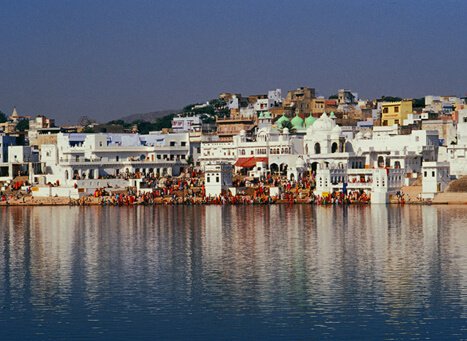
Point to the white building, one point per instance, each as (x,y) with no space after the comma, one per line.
(278,150)
(273,99)
(217,178)
(435,178)
(97,156)
(186,124)
(22,161)
(379,183)
(457,152)
(379,162)
(217,151)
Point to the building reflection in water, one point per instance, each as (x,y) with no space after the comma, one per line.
(311,261)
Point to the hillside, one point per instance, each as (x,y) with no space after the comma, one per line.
(459,185)
(149,116)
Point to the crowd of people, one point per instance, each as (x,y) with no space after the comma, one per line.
(189,189)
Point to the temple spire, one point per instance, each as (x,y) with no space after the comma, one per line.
(15,113)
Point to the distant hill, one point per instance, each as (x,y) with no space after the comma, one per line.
(149,116)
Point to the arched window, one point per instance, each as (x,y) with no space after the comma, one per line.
(380,161)
(317,148)
(334,147)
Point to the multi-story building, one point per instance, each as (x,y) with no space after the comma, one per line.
(263,103)
(186,124)
(378,162)
(457,151)
(23,161)
(97,156)
(42,130)
(277,149)
(345,96)
(318,105)
(5,142)
(227,127)
(300,100)
(442,104)
(395,112)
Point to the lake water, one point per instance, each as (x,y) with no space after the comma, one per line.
(278,272)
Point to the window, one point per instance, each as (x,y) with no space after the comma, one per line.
(317,148)
(425,174)
(334,147)
(433,174)
(396,109)
(183,143)
(217,179)
(172,143)
(208,179)
(385,110)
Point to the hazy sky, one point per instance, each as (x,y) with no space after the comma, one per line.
(106,59)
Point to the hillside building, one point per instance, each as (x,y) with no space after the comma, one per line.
(395,112)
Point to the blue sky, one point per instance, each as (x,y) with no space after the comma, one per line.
(106,59)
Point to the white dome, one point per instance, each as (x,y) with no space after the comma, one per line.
(242,132)
(285,130)
(324,124)
(368,135)
(359,135)
(337,129)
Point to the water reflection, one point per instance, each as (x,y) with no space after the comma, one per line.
(214,271)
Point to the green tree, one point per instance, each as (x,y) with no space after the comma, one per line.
(3,117)
(117,122)
(145,127)
(22,125)
(288,125)
(88,130)
(217,103)
(189,160)
(419,102)
(391,99)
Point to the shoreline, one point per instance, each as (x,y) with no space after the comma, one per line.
(66,202)
(448,198)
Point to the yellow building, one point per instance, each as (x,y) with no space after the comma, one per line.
(395,112)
